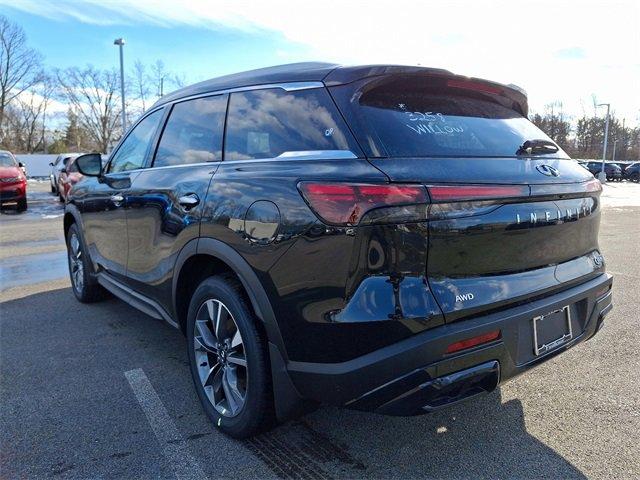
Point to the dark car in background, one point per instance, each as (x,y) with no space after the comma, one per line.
(611,170)
(57,166)
(13,182)
(384,238)
(632,172)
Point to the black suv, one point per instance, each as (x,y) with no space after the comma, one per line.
(385,238)
(611,170)
(632,172)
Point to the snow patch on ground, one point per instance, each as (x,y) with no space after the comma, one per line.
(620,194)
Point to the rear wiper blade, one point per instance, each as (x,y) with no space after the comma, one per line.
(537,147)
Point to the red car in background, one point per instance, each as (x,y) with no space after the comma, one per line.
(13,182)
(67,178)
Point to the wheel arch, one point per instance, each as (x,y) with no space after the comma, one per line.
(71,216)
(223,258)
(69,219)
(226,259)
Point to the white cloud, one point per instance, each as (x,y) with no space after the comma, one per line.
(556,50)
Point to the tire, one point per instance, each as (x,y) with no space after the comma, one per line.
(22,205)
(84,285)
(635,177)
(218,375)
(53,188)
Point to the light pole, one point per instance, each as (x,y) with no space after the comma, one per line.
(44,121)
(602,176)
(120,43)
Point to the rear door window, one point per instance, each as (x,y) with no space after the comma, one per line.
(268,123)
(193,133)
(406,116)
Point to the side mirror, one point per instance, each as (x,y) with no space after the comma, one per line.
(21,165)
(90,164)
(51,164)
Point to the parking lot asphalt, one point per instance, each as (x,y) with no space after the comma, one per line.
(104,391)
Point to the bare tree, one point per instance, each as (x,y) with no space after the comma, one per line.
(20,66)
(28,119)
(179,80)
(159,76)
(94,96)
(140,83)
(555,124)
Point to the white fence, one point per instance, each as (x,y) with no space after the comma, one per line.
(37,164)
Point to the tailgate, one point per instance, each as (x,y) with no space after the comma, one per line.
(496,243)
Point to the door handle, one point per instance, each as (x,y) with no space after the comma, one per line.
(189,201)
(117,199)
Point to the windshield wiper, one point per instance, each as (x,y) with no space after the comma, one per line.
(537,147)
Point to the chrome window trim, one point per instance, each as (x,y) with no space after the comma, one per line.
(317,155)
(182,165)
(309,155)
(288,87)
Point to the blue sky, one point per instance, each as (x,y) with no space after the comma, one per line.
(196,52)
(568,51)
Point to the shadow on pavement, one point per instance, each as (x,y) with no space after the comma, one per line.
(62,367)
(481,438)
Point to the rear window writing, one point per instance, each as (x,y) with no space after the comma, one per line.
(415,118)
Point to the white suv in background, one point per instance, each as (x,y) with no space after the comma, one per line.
(56,167)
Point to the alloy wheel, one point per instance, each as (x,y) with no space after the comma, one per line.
(220,358)
(76,266)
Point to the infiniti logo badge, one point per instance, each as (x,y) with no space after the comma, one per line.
(548,170)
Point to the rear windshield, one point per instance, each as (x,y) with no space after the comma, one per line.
(426,117)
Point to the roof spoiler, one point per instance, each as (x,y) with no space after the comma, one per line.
(516,96)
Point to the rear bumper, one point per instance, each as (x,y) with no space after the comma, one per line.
(416,375)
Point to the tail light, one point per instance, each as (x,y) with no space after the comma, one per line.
(473,342)
(350,204)
(456,201)
(458,193)
(593,185)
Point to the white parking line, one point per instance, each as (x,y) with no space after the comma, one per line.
(173,445)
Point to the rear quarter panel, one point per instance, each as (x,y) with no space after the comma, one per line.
(308,269)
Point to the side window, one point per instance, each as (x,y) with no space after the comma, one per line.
(267,123)
(132,151)
(71,166)
(193,133)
